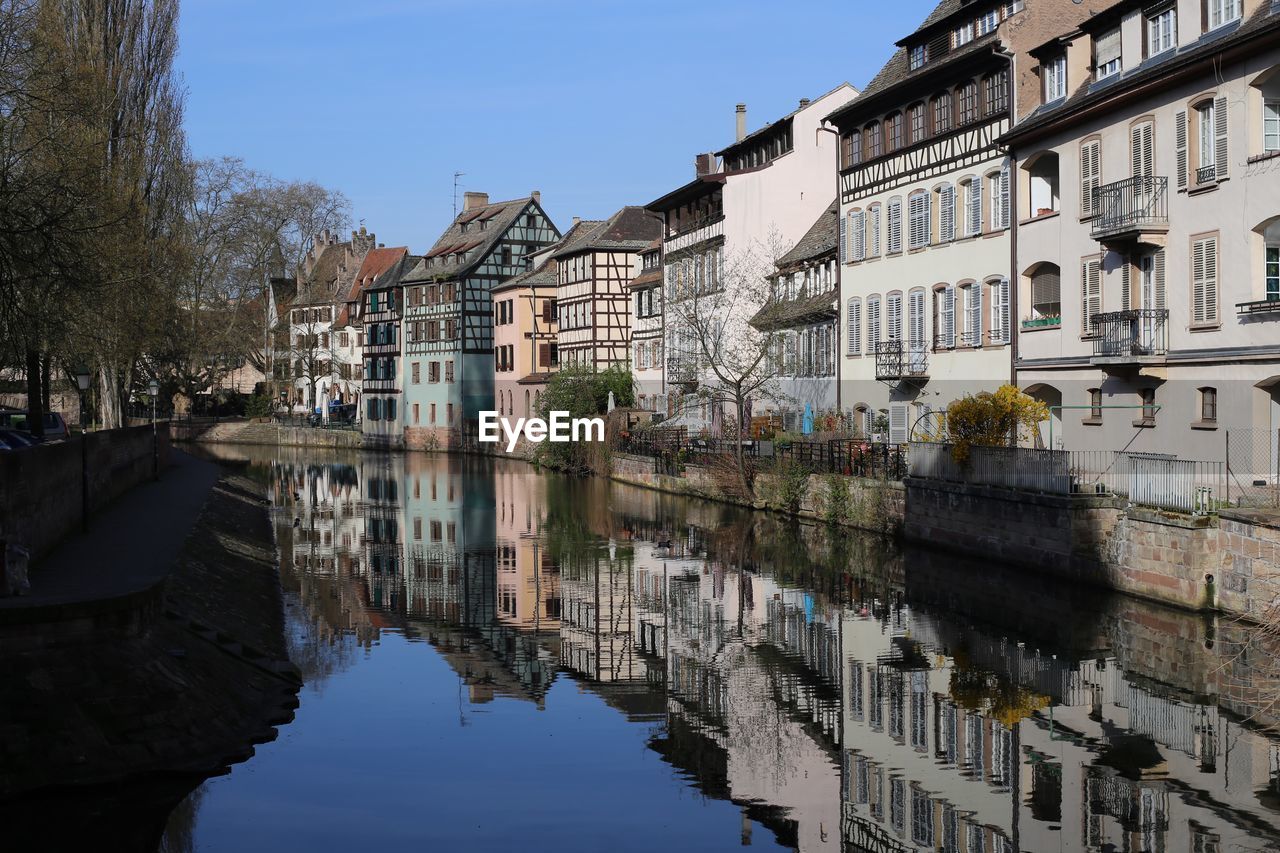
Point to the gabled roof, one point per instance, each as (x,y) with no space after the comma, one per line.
(375,264)
(545,266)
(396,273)
(631,229)
(321,283)
(777,123)
(475,232)
(821,239)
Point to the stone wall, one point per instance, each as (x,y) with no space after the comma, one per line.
(1248,561)
(44,496)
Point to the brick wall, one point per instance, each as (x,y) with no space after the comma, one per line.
(43,496)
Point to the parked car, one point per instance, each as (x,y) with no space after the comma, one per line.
(55,428)
(12,439)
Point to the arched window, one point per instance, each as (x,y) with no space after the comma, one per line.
(998,298)
(873,322)
(946,198)
(1208,405)
(1046,293)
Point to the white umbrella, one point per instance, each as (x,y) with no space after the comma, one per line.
(610,405)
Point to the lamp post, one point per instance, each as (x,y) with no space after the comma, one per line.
(83,376)
(153,387)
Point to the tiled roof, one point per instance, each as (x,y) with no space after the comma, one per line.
(397,273)
(321,283)
(630,229)
(793,312)
(649,276)
(375,264)
(1265,21)
(819,240)
(496,219)
(543,273)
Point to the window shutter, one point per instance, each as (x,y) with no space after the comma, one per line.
(1157,272)
(915,311)
(895,226)
(544,355)
(1141,150)
(1126,285)
(1180,132)
(855,326)
(895,317)
(975,207)
(947,213)
(926,201)
(873,250)
(844,237)
(898,423)
(975,314)
(873,323)
(1005,211)
(1220,139)
(1090,294)
(858,237)
(1090,177)
(1204,287)
(949,317)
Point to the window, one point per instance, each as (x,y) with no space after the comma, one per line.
(988,22)
(855,326)
(1162,31)
(873,322)
(1205,125)
(1271,125)
(1055,78)
(1208,405)
(448,371)
(962,35)
(872,139)
(946,213)
(1271,267)
(942,113)
(973,206)
(916,123)
(971,298)
(1042,184)
(968,94)
(1204,281)
(1222,12)
(1046,292)
(997,92)
(919,56)
(857,236)
(855,148)
(1090,176)
(1148,398)
(1095,404)
(417,373)
(1106,54)
(1090,294)
(918,220)
(433,371)
(873,232)
(946,317)
(893,132)
(1000,198)
(895,226)
(1001,332)
(893,317)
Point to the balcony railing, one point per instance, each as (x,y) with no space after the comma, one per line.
(682,370)
(1134,204)
(1207,174)
(1131,335)
(899,359)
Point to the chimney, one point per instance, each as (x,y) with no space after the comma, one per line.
(536,195)
(577,220)
(473,200)
(704,164)
(742,122)
(804,102)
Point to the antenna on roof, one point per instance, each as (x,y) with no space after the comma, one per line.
(456,175)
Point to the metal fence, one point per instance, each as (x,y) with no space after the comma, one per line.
(1253,467)
(1151,479)
(1023,468)
(314,421)
(852,457)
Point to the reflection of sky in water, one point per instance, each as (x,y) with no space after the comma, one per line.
(500,659)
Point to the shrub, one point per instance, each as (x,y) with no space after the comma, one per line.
(836,505)
(992,420)
(791,485)
(258,406)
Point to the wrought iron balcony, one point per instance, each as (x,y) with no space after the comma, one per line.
(1207,174)
(900,360)
(1131,337)
(682,371)
(1132,208)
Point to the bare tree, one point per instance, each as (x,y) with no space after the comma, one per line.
(713,352)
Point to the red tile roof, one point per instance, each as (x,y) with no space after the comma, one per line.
(375,264)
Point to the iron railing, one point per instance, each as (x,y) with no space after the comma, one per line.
(1152,480)
(1132,204)
(849,456)
(898,359)
(682,370)
(1136,333)
(1207,174)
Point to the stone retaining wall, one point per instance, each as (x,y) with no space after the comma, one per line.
(44,494)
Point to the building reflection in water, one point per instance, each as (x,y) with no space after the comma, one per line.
(845,696)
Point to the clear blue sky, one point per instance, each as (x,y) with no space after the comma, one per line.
(596,104)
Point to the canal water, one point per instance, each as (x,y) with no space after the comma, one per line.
(497,658)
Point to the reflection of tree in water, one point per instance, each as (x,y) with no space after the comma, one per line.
(180,832)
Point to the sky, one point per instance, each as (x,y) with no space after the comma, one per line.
(595,103)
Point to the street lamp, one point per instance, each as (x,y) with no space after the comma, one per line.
(153,387)
(82,375)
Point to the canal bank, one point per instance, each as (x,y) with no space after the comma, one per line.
(110,722)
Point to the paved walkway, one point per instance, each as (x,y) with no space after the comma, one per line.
(129,547)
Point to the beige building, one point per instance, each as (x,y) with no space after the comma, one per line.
(1148,246)
(646,330)
(925,203)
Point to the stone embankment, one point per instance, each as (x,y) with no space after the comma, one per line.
(253,432)
(102,739)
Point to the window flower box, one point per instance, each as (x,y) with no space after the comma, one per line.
(1042,322)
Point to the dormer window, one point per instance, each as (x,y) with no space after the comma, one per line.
(962,35)
(1162,31)
(1106,54)
(919,55)
(988,22)
(1055,78)
(1223,12)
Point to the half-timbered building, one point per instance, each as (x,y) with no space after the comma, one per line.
(448,315)
(1148,250)
(747,205)
(925,209)
(593,302)
(646,330)
(801,315)
(348,334)
(381,309)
